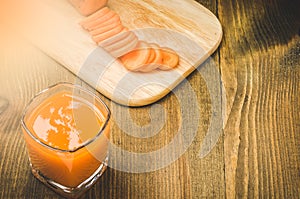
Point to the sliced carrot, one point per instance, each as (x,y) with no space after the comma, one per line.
(101,20)
(136,58)
(115,19)
(158,54)
(121,43)
(103,36)
(108,32)
(94,16)
(125,49)
(101,29)
(149,66)
(170,59)
(121,35)
(93,24)
(151,56)
(155,60)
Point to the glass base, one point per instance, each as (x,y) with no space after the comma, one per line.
(71,192)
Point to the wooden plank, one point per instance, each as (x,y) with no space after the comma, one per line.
(260,71)
(59,35)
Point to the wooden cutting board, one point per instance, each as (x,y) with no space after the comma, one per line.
(185,26)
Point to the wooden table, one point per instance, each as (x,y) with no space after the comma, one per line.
(258,151)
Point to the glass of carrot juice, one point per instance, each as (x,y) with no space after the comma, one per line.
(66,130)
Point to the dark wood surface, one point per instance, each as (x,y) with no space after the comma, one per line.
(258,151)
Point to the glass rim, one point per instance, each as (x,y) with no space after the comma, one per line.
(84,144)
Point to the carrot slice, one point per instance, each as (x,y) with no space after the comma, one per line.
(114,20)
(149,66)
(93,24)
(121,35)
(154,61)
(136,58)
(94,16)
(151,56)
(108,34)
(101,29)
(170,59)
(121,43)
(158,54)
(125,49)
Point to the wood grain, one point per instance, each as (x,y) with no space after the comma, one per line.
(260,94)
(256,156)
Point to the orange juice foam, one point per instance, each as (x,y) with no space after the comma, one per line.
(65,124)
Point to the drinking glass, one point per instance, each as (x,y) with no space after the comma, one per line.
(83,122)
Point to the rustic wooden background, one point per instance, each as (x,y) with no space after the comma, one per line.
(257,153)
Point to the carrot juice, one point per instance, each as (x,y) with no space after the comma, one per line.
(66,130)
